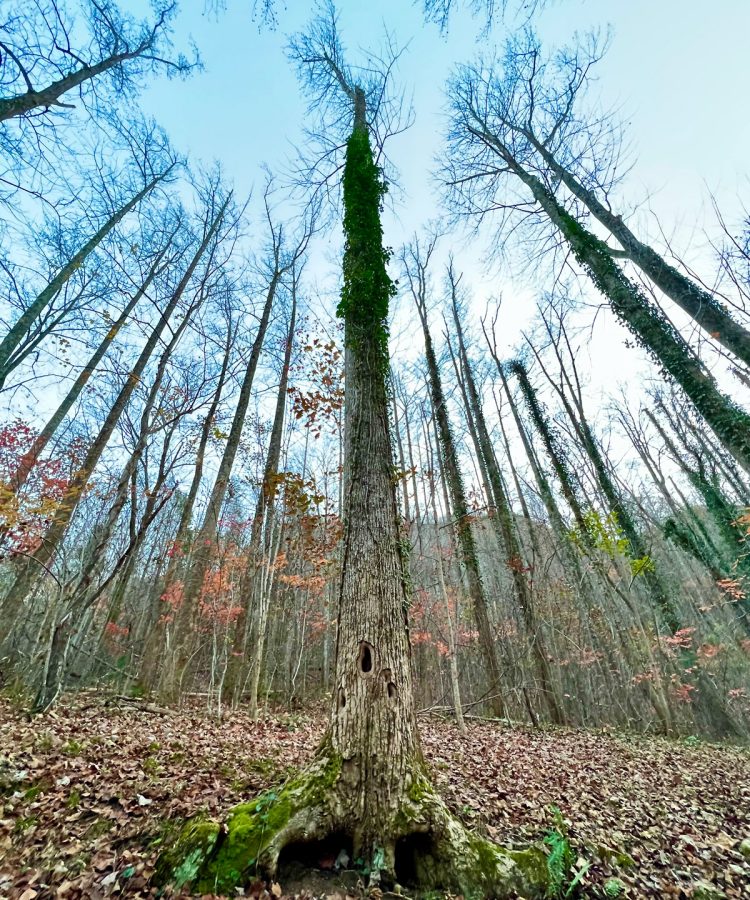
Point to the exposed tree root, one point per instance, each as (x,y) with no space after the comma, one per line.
(423,843)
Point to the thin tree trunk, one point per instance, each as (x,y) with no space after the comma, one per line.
(49,96)
(655,692)
(14,337)
(205,541)
(458,709)
(509,538)
(153,653)
(260,547)
(29,459)
(79,595)
(466,541)
(28,571)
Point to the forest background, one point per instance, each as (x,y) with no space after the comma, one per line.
(572,492)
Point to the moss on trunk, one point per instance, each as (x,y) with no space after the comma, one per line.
(423,844)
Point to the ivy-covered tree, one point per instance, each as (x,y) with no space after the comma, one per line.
(482,163)
(368,780)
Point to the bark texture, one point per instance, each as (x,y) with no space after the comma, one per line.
(368,780)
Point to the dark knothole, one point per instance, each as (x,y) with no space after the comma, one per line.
(415,857)
(342,698)
(365,657)
(392,690)
(330,856)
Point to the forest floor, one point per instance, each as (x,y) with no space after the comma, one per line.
(85,791)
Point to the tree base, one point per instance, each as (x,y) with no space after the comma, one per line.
(424,845)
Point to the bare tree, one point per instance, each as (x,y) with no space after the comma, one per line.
(531,104)
(416,261)
(367,779)
(29,569)
(47,55)
(485,159)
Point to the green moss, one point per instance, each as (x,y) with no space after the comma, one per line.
(44,742)
(614,857)
(524,870)
(23,825)
(249,830)
(74,799)
(551,437)
(651,329)
(216,858)
(530,862)
(196,843)
(419,788)
(367,287)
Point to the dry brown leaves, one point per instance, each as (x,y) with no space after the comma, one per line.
(87,788)
(679,811)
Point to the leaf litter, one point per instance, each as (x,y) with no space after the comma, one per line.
(87,790)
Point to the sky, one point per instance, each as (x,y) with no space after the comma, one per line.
(676,71)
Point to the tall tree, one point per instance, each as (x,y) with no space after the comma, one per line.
(48,55)
(535,104)
(13,338)
(281,261)
(505,519)
(367,780)
(29,569)
(251,625)
(29,460)
(480,159)
(637,549)
(153,652)
(416,262)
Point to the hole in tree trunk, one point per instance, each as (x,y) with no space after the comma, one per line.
(392,691)
(415,858)
(342,698)
(365,657)
(319,866)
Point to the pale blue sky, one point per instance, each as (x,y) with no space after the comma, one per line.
(677,69)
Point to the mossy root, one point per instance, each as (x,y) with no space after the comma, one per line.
(424,843)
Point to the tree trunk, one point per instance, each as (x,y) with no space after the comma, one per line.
(153,654)
(703,307)
(636,546)
(655,693)
(28,570)
(368,780)
(80,595)
(259,551)
(176,660)
(20,104)
(14,337)
(730,423)
(509,537)
(29,460)
(466,542)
